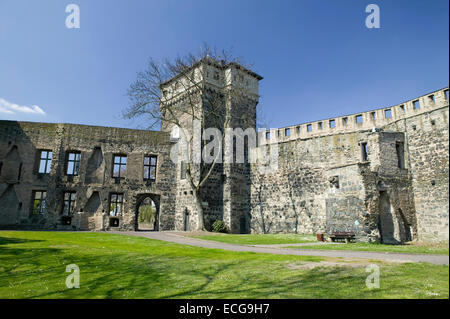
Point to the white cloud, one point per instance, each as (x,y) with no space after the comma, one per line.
(11,108)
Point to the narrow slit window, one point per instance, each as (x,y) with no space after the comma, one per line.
(364,152)
(183,170)
(400,148)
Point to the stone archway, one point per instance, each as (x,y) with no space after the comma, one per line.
(147,213)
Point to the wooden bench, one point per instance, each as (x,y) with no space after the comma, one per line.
(343,235)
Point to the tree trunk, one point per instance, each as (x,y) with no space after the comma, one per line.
(200,216)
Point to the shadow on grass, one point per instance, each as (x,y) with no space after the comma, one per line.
(10,240)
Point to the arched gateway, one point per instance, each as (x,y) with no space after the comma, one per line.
(147,212)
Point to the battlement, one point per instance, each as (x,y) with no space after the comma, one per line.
(358,121)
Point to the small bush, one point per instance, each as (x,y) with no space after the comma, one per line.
(219,227)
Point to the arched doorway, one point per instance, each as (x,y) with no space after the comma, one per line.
(147,214)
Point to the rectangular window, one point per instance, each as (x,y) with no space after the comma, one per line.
(416,104)
(298,130)
(183,170)
(431,98)
(345,121)
(388,113)
(39,206)
(73,163)
(402,107)
(267,135)
(446,95)
(287,132)
(364,152)
(45,161)
(332,123)
(69,203)
(120,165)
(309,127)
(399,146)
(320,125)
(373,115)
(150,167)
(115,204)
(358,119)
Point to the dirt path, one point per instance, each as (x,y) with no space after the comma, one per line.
(174,237)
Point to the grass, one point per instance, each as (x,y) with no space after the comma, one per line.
(438,249)
(33,265)
(259,239)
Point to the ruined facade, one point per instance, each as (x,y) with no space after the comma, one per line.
(382,174)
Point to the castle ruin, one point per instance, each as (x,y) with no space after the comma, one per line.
(382,174)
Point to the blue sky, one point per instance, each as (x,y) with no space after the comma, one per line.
(317,57)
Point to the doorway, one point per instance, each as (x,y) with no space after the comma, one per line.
(147,215)
(386,224)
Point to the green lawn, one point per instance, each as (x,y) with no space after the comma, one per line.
(33,264)
(439,249)
(259,239)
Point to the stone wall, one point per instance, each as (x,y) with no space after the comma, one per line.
(20,143)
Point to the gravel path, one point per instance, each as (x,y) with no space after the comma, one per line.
(277,249)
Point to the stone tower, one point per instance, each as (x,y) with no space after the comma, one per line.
(226,193)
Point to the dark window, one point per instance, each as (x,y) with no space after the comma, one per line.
(73,163)
(345,121)
(446,94)
(364,152)
(358,119)
(416,104)
(402,107)
(309,127)
(388,113)
(115,204)
(320,125)
(183,170)
(267,135)
(69,203)
(431,98)
(150,167)
(373,115)
(399,146)
(298,130)
(45,161)
(120,165)
(39,206)
(332,123)
(287,132)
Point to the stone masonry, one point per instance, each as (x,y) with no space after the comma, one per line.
(382,174)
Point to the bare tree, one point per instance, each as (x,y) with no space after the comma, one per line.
(177,95)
